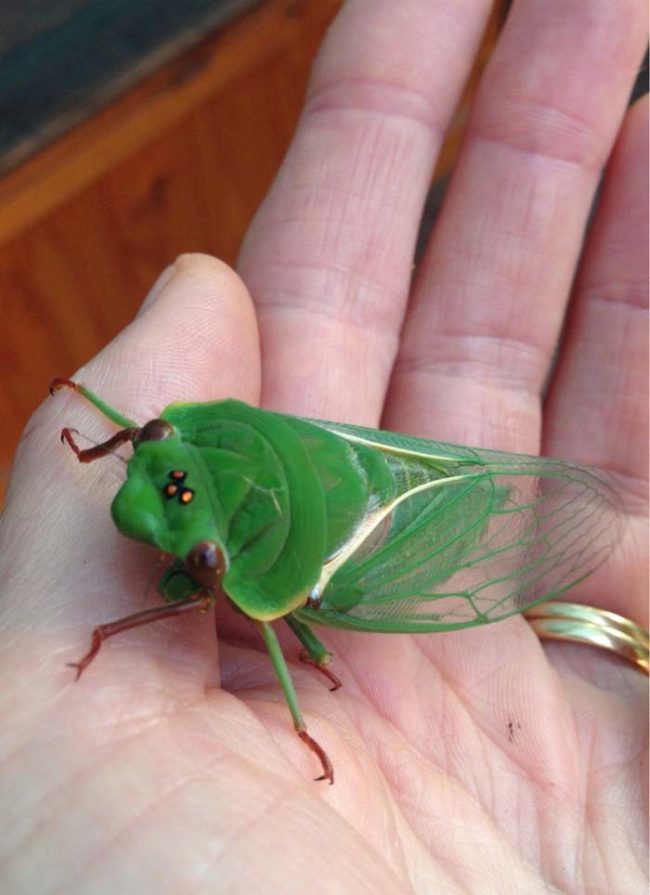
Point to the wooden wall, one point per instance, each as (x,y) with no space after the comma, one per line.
(178,164)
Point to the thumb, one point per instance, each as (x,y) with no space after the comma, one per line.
(195,339)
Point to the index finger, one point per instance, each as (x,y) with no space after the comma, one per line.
(329,257)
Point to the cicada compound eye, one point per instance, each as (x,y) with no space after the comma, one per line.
(205,564)
(154,430)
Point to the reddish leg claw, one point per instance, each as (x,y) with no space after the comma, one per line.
(82,664)
(67,438)
(310,742)
(332,678)
(60,382)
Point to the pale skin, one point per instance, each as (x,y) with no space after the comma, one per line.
(479,761)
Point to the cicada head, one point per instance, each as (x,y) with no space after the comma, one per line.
(166,500)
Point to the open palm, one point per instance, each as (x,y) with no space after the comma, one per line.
(475,761)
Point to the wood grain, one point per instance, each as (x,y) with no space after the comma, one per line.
(179,164)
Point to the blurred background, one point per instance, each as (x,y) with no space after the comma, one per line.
(131,132)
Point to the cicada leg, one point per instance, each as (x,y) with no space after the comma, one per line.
(102,632)
(87,455)
(314,652)
(281,670)
(61,382)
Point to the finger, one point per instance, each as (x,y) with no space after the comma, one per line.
(196,340)
(597,407)
(329,256)
(491,294)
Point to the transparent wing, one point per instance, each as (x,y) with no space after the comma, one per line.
(472,537)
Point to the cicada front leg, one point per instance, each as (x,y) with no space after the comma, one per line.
(102,632)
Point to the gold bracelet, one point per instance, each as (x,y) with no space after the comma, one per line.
(585,624)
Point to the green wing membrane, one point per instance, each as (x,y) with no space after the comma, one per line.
(471,537)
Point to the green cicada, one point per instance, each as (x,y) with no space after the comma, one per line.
(322,523)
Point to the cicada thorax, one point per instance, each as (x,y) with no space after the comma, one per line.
(284,495)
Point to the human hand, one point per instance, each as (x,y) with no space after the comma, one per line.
(473,761)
